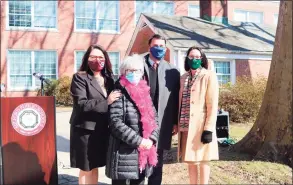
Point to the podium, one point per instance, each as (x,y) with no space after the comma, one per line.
(28,140)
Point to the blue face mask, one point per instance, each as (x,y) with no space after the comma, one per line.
(158,52)
(133,78)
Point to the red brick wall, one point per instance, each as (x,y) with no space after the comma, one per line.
(252,68)
(268,8)
(65,41)
(181,7)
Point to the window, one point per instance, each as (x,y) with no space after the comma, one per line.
(193,11)
(101,16)
(246,16)
(22,65)
(164,8)
(78,59)
(223,71)
(276,17)
(32,14)
(114,58)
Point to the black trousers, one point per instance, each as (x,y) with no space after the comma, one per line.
(139,181)
(156,177)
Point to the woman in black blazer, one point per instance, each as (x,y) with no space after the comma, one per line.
(91,89)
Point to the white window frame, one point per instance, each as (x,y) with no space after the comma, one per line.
(232,68)
(189,9)
(97,19)
(32,28)
(154,9)
(247,15)
(119,59)
(33,87)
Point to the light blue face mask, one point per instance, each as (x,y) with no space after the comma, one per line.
(133,78)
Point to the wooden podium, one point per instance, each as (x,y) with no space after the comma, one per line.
(28,140)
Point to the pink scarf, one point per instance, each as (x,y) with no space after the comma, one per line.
(140,95)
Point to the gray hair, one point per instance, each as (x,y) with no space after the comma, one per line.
(134,61)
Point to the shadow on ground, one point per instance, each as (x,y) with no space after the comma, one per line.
(62,144)
(64,179)
(225,154)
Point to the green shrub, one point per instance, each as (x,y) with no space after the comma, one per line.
(60,89)
(243,99)
(49,90)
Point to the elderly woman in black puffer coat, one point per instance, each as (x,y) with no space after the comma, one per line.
(133,124)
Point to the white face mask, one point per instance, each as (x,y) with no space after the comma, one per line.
(133,78)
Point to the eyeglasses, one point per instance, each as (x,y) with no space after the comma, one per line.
(195,57)
(135,71)
(91,57)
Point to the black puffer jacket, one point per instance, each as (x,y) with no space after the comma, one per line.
(126,135)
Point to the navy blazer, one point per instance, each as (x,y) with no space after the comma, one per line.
(90,106)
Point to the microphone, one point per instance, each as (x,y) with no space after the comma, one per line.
(41,77)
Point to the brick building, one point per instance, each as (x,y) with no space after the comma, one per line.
(50,36)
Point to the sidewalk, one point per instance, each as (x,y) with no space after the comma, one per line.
(67,175)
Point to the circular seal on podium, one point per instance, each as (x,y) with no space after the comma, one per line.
(28,119)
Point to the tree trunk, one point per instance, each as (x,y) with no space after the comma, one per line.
(270,138)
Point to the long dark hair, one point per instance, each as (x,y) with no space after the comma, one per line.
(107,71)
(204,60)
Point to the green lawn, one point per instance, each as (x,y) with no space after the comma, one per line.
(232,168)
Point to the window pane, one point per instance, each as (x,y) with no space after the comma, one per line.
(240,16)
(45,14)
(78,59)
(19,7)
(223,79)
(20,68)
(223,72)
(114,58)
(23,81)
(20,13)
(255,17)
(45,63)
(107,9)
(143,7)
(45,22)
(85,9)
(85,15)
(108,25)
(165,8)
(45,8)
(108,15)
(86,24)
(193,11)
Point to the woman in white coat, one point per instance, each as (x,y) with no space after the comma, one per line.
(198,104)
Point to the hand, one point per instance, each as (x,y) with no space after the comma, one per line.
(114,95)
(206,137)
(175,130)
(146,143)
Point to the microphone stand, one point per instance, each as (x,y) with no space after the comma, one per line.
(42,87)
